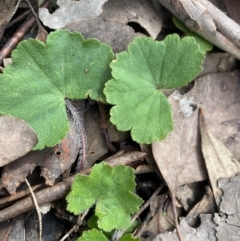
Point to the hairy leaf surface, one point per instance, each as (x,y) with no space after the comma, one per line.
(111,190)
(35,86)
(138,77)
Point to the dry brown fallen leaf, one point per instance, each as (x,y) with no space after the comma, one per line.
(69,11)
(219,160)
(53,161)
(16,139)
(15,172)
(179,156)
(218,62)
(8,9)
(223,227)
(206,205)
(116,34)
(163,219)
(218,95)
(142,12)
(188,195)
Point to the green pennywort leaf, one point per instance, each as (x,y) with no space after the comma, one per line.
(128,237)
(111,189)
(93,235)
(138,77)
(96,235)
(42,76)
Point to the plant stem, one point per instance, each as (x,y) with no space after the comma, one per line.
(78,121)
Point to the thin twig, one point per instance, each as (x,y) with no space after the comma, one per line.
(33,13)
(18,195)
(179,233)
(76,226)
(118,234)
(60,190)
(18,35)
(205,19)
(37,209)
(17,19)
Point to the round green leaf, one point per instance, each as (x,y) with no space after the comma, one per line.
(112,190)
(140,74)
(35,86)
(92,235)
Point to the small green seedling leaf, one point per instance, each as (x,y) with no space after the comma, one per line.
(204,45)
(96,235)
(93,235)
(42,76)
(92,223)
(140,74)
(128,237)
(111,189)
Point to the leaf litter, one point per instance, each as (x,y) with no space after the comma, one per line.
(70,11)
(16,139)
(223,125)
(220,163)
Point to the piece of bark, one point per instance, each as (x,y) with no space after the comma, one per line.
(228,221)
(205,232)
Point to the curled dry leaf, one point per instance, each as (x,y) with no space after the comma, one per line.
(204,206)
(62,156)
(16,139)
(188,195)
(53,162)
(69,11)
(137,11)
(15,172)
(219,160)
(116,34)
(163,219)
